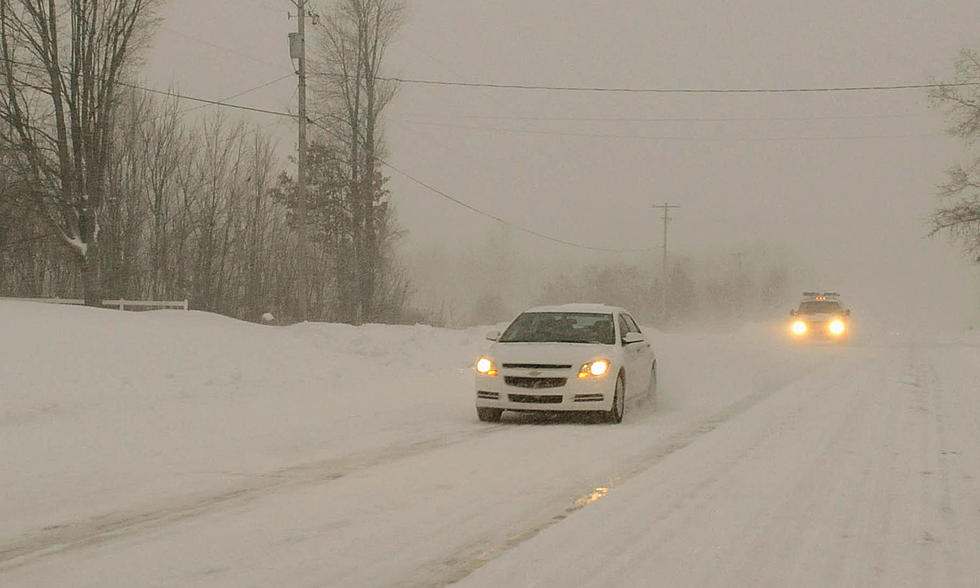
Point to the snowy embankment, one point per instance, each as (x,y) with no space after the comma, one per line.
(173,448)
(102,410)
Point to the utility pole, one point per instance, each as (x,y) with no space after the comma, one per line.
(738,256)
(297,50)
(666,206)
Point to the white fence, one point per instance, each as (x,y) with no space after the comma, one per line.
(120,304)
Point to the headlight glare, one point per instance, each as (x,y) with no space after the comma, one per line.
(837,327)
(799,327)
(594,368)
(485,366)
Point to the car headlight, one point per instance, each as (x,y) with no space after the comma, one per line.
(485,366)
(837,327)
(595,368)
(799,327)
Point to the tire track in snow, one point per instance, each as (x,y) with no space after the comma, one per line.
(784,547)
(474,555)
(952,535)
(107,527)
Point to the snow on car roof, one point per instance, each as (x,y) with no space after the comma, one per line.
(576,307)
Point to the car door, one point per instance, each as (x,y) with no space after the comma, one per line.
(643,356)
(636,381)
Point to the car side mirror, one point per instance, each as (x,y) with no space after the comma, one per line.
(633,337)
(847,312)
(493,335)
(792,312)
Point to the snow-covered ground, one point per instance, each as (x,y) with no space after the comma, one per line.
(185,449)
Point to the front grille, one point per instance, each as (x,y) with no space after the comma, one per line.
(538,366)
(487,395)
(535,383)
(534,399)
(588,397)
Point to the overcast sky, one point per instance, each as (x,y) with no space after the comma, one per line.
(843,181)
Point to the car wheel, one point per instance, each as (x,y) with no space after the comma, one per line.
(489,415)
(615,412)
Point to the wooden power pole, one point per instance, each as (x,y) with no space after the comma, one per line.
(664,280)
(297,50)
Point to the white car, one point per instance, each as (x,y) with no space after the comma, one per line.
(574,357)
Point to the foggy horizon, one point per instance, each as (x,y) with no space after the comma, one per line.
(842,182)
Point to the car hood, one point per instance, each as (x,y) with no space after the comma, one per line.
(553,353)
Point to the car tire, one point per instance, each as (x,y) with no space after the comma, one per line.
(615,412)
(489,415)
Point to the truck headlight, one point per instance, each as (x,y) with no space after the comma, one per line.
(837,327)
(799,327)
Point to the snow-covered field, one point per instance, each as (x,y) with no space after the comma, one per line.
(178,448)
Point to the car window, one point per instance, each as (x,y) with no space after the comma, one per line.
(632,323)
(819,306)
(623,327)
(561,327)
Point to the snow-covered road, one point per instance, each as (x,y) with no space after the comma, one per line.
(862,475)
(323,455)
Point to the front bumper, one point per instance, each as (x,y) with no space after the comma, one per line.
(551,390)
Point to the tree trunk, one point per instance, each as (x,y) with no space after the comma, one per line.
(92,276)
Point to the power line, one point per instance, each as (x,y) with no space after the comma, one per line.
(676,119)
(207,101)
(613,89)
(239,94)
(222,48)
(172,94)
(667,137)
(476,210)
(505,221)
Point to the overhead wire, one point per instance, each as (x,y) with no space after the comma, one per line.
(474,209)
(630,119)
(665,137)
(179,95)
(224,100)
(222,47)
(638,90)
(445,195)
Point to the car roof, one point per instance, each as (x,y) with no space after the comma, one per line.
(577,307)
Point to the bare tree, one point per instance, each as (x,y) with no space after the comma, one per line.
(959,210)
(356,36)
(59,98)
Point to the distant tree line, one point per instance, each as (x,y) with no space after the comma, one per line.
(725,298)
(107,191)
(494,282)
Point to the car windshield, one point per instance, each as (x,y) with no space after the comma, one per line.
(819,306)
(561,327)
